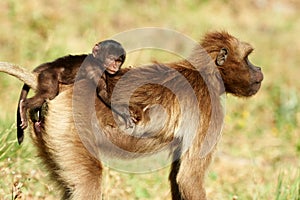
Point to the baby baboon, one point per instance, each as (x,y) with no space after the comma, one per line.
(106,59)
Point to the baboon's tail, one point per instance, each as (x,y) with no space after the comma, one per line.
(22,74)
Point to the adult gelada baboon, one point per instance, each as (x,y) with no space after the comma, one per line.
(71,158)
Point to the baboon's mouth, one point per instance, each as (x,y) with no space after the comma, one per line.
(111,71)
(254,88)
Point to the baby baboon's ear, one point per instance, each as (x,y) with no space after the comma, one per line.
(96,50)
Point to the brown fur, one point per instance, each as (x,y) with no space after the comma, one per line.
(78,172)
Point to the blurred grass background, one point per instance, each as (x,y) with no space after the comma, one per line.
(258,156)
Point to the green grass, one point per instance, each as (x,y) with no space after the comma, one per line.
(288,189)
(258,156)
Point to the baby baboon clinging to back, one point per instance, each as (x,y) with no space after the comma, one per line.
(106,59)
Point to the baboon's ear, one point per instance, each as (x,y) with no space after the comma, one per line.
(96,50)
(222,56)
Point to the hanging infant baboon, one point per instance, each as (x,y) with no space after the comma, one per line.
(105,60)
